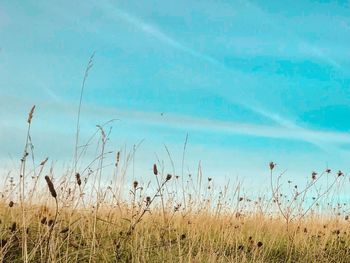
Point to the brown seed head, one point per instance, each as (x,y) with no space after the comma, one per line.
(11,204)
(43,221)
(135,184)
(272,165)
(77,177)
(51,187)
(44,161)
(117,159)
(148,200)
(240,247)
(168,177)
(50,222)
(155,170)
(30,116)
(313,175)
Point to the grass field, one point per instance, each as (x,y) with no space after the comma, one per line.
(77,217)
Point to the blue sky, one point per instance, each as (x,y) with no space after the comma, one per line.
(249,81)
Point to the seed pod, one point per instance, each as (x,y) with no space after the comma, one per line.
(313,175)
(50,222)
(44,161)
(155,170)
(148,200)
(77,176)
(11,204)
(51,187)
(43,221)
(117,158)
(135,184)
(168,177)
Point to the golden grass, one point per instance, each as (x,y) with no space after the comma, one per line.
(180,238)
(76,217)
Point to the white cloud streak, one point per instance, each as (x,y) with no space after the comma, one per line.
(155,32)
(288,130)
(228,127)
(93,113)
(304,47)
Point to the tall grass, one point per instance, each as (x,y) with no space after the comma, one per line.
(76,216)
(170,218)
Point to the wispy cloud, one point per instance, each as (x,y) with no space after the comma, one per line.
(188,123)
(305,47)
(192,123)
(158,34)
(288,130)
(314,137)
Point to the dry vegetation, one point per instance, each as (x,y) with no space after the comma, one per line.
(77,216)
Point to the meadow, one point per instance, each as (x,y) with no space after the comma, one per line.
(78,217)
(226,117)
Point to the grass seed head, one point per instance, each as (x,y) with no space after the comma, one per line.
(30,116)
(51,186)
(148,200)
(117,159)
(43,221)
(77,177)
(50,222)
(44,161)
(155,169)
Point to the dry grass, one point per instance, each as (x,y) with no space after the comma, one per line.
(193,237)
(77,217)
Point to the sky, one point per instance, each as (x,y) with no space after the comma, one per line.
(249,82)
